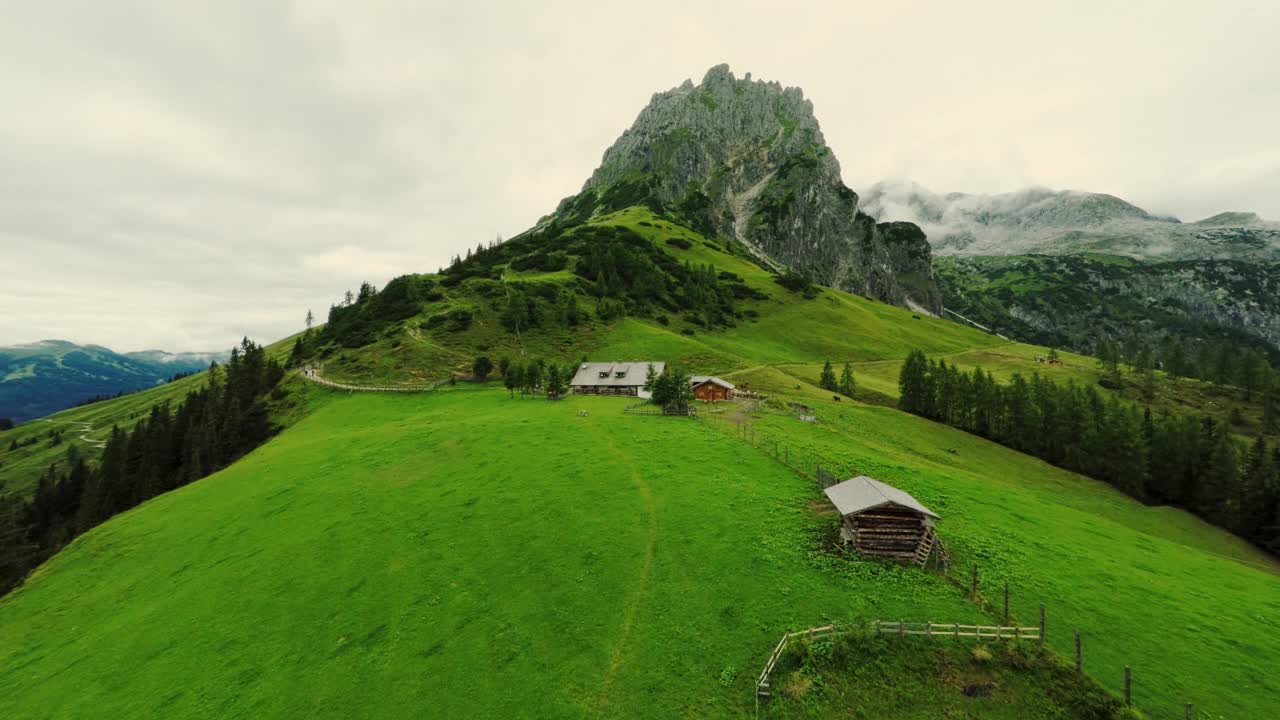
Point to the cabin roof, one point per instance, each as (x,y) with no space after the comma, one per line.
(606,374)
(862,493)
(700,379)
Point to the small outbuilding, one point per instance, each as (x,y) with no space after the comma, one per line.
(711,389)
(883,521)
(614,378)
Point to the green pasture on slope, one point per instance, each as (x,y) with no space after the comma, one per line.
(1193,609)
(461,554)
(21,468)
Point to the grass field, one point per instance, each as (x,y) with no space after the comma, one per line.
(482,556)
(458,555)
(1191,608)
(923,679)
(465,554)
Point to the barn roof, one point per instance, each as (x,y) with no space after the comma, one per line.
(699,379)
(633,373)
(863,493)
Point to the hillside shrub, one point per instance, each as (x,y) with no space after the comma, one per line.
(680,243)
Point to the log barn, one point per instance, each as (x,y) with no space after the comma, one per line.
(614,378)
(711,389)
(883,521)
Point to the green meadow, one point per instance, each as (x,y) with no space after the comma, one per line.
(469,554)
(458,555)
(1192,609)
(472,555)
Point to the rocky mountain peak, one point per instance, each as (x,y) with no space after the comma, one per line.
(746,159)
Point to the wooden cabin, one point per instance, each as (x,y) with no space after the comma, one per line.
(710,389)
(614,378)
(883,521)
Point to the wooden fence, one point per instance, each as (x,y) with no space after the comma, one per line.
(647,408)
(762,683)
(932,629)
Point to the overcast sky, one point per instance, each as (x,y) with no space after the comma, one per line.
(177,174)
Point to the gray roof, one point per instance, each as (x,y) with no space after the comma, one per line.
(699,379)
(863,493)
(633,374)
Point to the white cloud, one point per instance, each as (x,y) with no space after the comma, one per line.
(179,174)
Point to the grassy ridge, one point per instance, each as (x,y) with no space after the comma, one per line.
(616,572)
(619,571)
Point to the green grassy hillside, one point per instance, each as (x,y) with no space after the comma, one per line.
(468,554)
(390,557)
(471,555)
(86,425)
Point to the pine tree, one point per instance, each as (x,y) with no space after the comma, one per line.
(513,379)
(847,385)
(482,367)
(1258,492)
(913,383)
(555,382)
(1217,494)
(650,378)
(310,319)
(828,379)
(533,376)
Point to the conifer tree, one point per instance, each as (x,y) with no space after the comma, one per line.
(513,379)
(827,381)
(482,367)
(650,378)
(847,385)
(533,376)
(555,382)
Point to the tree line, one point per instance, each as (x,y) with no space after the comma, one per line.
(208,430)
(1192,462)
(846,385)
(1222,362)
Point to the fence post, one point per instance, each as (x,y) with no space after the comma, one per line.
(957,629)
(1128,686)
(1041,624)
(1190,709)
(1006,602)
(1079,659)
(973,590)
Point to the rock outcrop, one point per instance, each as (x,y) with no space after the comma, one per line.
(745,159)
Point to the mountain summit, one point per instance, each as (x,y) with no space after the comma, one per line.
(745,159)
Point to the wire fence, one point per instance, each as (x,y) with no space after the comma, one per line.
(752,430)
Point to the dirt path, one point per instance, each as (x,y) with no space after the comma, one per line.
(314,376)
(641,582)
(85,429)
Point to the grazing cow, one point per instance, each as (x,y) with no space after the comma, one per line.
(836,398)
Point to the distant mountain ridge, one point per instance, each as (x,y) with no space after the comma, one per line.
(40,378)
(1068,222)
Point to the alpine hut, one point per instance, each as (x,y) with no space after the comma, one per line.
(614,378)
(710,389)
(883,521)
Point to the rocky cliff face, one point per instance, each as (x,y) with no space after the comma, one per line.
(1080,301)
(746,159)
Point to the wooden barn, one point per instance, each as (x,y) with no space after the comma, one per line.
(883,521)
(711,389)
